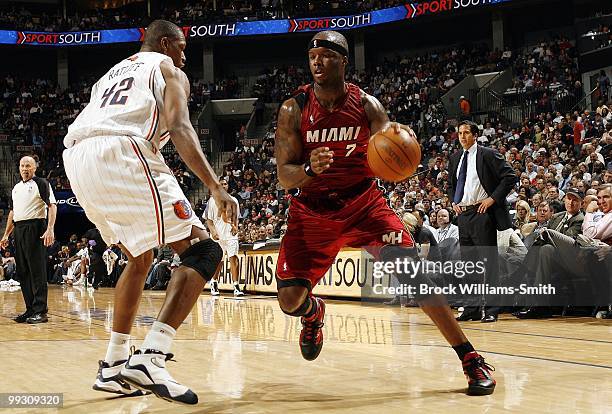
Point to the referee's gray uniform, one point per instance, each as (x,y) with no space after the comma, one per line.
(30,200)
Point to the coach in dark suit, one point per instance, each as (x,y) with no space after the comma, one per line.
(480,181)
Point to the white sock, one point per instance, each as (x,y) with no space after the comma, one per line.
(118,348)
(159,338)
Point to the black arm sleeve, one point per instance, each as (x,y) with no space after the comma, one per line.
(43,189)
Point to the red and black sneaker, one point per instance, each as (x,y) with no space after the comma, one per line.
(311,337)
(478,374)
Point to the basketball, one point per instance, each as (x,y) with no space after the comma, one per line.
(394,157)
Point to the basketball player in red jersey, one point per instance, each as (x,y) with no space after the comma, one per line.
(321,144)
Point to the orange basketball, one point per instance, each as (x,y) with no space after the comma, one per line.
(394,157)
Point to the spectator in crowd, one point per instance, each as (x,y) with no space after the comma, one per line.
(446,229)
(523,214)
(77,265)
(7,267)
(97,247)
(531,231)
(60,268)
(569,222)
(159,273)
(110,259)
(465,107)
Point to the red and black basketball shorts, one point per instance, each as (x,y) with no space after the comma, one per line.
(313,240)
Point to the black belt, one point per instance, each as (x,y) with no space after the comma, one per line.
(465,209)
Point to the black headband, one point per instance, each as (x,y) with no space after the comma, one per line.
(314,43)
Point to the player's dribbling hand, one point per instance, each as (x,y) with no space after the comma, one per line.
(397,127)
(321,159)
(4,243)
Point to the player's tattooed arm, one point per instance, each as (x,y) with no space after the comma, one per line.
(377,115)
(288,149)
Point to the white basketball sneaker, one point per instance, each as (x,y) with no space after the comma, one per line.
(109,380)
(147,371)
(237,291)
(214,288)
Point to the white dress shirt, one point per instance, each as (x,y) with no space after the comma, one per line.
(473,191)
(451,231)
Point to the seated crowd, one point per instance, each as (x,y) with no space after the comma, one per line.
(546,77)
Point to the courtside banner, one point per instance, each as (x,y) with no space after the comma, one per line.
(350,275)
(253,28)
(92,37)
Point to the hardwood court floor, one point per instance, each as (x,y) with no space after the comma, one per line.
(242,356)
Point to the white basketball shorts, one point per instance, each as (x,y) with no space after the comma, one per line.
(230,247)
(128,192)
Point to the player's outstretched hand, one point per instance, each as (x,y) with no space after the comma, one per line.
(321,159)
(228,209)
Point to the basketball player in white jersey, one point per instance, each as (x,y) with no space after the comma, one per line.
(133,199)
(225,234)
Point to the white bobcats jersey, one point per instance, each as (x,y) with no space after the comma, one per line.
(127,101)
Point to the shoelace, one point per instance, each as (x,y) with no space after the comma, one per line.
(310,329)
(477,365)
(167,357)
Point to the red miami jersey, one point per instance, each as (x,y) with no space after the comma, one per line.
(345,131)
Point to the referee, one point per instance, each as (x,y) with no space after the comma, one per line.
(28,217)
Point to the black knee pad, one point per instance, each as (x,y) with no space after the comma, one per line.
(203,257)
(301,311)
(390,253)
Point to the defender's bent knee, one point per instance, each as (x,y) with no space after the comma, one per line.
(203,257)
